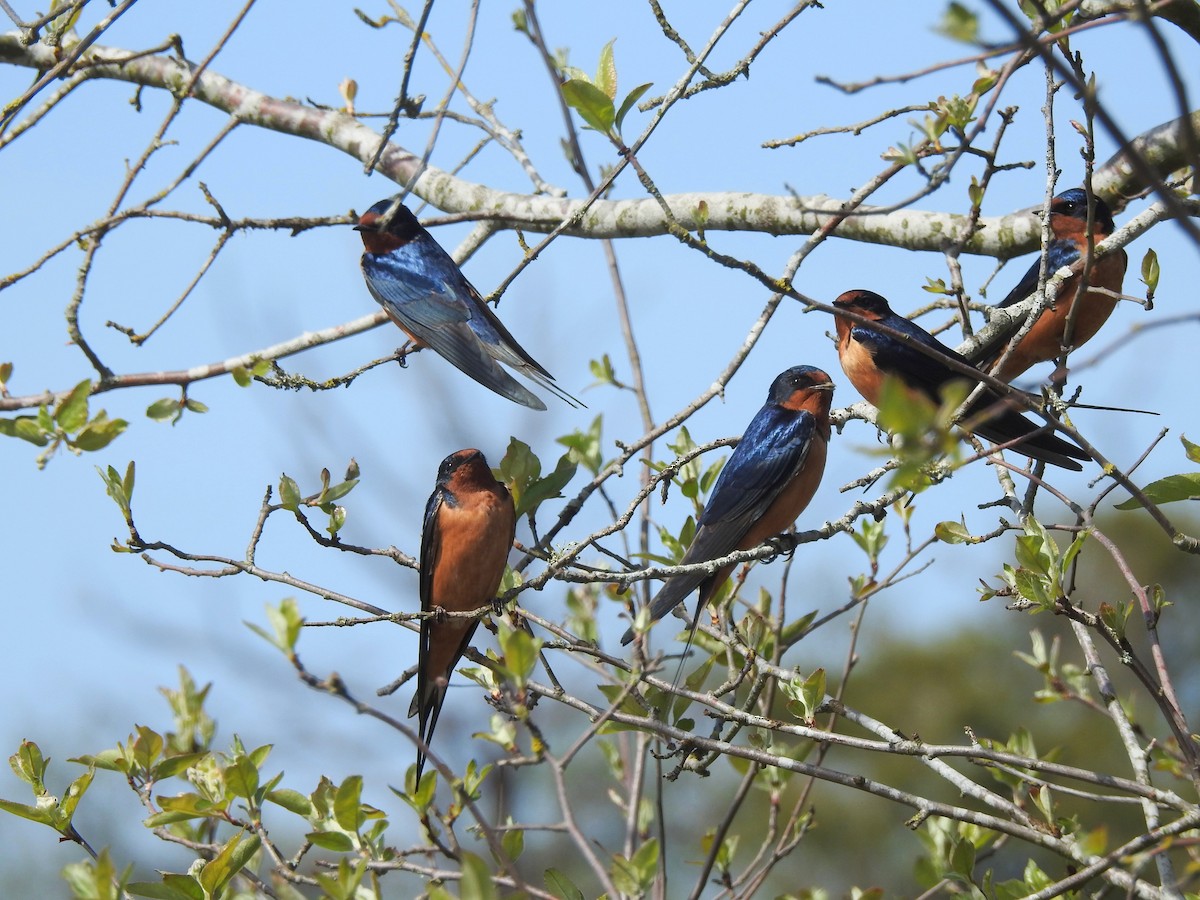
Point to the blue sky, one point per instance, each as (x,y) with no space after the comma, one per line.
(92,633)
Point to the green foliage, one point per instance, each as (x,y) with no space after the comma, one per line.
(220,789)
(602,370)
(70,425)
(953,532)
(1174,487)
(245,375)
(921,432)
(806,696)
(1046,12)
(595,98)
(30,766)
(1038,577)
(286,623)
(98,879)
(951,854)
(291,499)
(693,482)
(871,538)
(520,652)
(1063,680)
(1150,271)
(959,24)
(583,447)
(521,471)
(634,875)
(120,488)
(561,886)
(170,408)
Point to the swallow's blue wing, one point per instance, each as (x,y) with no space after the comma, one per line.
(768,457)
(1059,253)
(430,309)
(897,358)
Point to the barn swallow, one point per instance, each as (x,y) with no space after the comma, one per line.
(868,356)
(769,479)
(424,292)
(1046,339)
(470,522)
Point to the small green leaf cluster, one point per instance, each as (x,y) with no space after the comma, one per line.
(922,433)
(325,499)
(171,409)
(68,425)
(1037,579)
(221,809)
(953,850)
(521,471)
(595,98)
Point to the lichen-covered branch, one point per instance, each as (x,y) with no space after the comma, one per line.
(1002,236)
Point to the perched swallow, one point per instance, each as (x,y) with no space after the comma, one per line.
(424,292)
(1045,340)
(470,522)
(868,356)
(769,479)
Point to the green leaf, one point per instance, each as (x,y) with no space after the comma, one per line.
(513,843)
(959,24)
(161,410)
(975,192)
(606,71)
(636,874)
(172,887)
(1032,588)
(72,411)
(561,886)
(241,778)
(1150,270)
(477,881)
(520,654)
(645,859)
(1168,490)
(181,808)
(1192,450)
(44,815)
(60,25)
(962,859)
(241,376)
(195,406)
(292,801)
(26,428)
(169,768)
(811,694)
(584,447)
(331,840)
(74,794)
(30,766)
(286,623)
(232,859)
(593,105)
(952,532)
(627,104)
(99,433)
(347,804)
(289,493)
(98,880)
(337,492)
(547,488)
